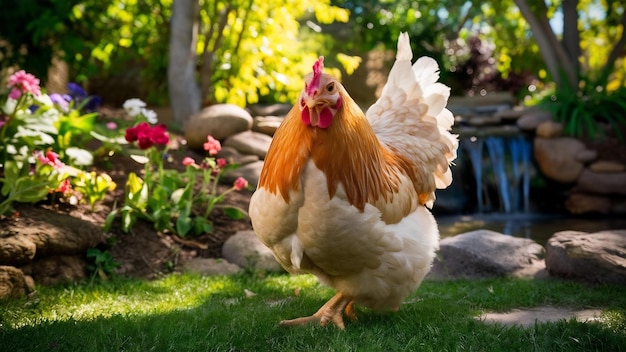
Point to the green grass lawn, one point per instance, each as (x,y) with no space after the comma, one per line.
(241,313)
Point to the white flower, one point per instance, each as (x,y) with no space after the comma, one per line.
(150,115)
(134,106)
(44,99)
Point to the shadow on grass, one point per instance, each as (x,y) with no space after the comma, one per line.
(439,318)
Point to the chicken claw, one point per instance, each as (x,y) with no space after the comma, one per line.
(331,311)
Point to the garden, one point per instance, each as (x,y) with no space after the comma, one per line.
(103,201)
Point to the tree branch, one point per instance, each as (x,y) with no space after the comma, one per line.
(550,48)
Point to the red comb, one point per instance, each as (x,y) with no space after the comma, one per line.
(318,68)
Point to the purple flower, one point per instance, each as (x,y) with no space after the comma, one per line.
(76,91)
(60,100)
(84,101)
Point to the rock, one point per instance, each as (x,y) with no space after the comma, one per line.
(266,124)
(249,142)
(531,120)
(12,283)
(556,158)
(251,172)
(233,156)
(271,109)
(484,253)
(595,257)
(586,156)
(16,250)
(52,233)
(246,250)
(512,114)
(219,121)
(57,269)
(607,166)
(602,183)
(211,266)
(549,129)
(480,120)
(581,203)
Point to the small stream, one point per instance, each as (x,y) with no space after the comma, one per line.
(537,227)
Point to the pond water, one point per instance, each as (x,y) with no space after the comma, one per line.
(538,227)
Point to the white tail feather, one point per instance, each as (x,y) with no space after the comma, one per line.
(411,117)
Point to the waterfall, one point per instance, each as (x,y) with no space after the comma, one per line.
(508,163)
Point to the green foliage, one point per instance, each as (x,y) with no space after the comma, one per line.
(101,263)
(93,186)
(258,54)
(20,184)
(583,111)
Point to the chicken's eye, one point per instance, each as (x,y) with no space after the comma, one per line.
(330,87)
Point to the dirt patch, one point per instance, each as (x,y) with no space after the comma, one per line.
(538,315)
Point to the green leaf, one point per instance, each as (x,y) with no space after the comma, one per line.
(183,225)
(109,220)
(202,225)
(235,213)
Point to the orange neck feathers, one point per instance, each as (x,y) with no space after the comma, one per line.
(348,152)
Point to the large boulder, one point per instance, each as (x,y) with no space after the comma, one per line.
(529,121)
(485,253)
(219,121)
(594,257)
(246,250)
(602,183)
(249,142)
(556,158)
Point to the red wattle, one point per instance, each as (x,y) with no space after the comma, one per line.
(306,118)
(326,117)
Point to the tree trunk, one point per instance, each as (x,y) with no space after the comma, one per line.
(559,66)
(181,70)
(571,35)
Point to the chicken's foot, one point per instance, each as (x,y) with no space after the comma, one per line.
(331,311)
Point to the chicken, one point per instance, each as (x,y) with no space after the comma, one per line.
(343,195)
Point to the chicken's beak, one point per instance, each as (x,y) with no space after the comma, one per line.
(310,102)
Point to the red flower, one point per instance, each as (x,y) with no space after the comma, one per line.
(65,186)
(221,162)
(147,136)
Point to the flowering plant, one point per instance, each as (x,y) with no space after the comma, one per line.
(170,199)
(32,121)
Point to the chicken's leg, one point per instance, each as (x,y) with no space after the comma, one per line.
(332,311)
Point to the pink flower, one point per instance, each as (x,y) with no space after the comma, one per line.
(111,125)
(187,161)
(50,158)
(212,145)
(21,82)
(240,183)
(146,136)
(221,162)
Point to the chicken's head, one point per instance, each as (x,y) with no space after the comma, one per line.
(320,98)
